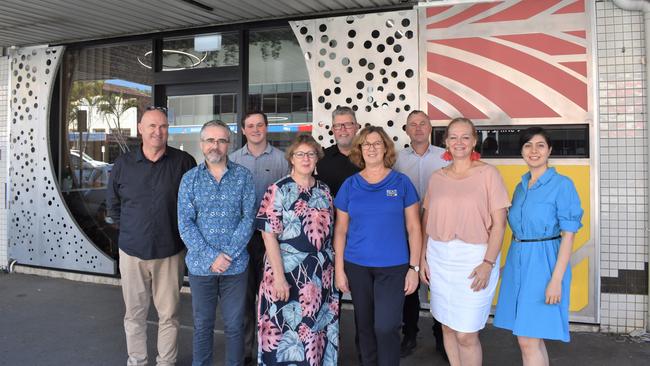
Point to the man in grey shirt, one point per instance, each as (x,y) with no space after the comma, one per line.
(418,162)
(267,164)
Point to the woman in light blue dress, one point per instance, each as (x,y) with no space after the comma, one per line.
(544,217)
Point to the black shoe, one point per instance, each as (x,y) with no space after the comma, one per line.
(407,347)
(248,361)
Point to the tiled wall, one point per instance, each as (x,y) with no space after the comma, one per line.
(4,139)
(623,167)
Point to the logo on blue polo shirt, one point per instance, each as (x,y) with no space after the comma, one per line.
(391,192)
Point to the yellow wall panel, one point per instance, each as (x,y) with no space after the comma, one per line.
(580,286)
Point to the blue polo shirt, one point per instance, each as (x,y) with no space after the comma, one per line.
(377,234)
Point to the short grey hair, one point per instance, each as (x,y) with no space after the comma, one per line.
(342,111)
(216,123)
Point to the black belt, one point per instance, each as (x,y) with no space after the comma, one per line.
(540,239)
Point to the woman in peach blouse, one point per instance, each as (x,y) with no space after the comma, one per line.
(464,221)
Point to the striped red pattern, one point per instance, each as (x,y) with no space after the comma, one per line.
(498,47)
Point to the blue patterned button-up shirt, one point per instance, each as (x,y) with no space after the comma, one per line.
(216,217)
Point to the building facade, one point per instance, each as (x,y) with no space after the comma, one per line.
(576,67)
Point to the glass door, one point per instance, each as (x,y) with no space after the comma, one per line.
(189,108)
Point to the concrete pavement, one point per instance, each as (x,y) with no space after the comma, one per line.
(48,321)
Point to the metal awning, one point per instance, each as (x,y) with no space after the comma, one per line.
(30,22)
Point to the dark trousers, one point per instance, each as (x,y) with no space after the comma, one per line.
(378,299)
(411,315)
(256,251)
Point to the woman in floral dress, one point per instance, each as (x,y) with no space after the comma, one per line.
(298,305)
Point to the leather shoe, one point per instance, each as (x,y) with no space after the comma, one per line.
(407,347)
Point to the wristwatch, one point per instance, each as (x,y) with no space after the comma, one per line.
(415,268)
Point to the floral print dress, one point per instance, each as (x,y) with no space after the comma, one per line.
(304,329)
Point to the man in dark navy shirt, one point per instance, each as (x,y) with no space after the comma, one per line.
(141,198)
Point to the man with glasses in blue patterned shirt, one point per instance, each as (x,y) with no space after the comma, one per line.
(215,220)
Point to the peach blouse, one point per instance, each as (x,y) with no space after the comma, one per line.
(460,208)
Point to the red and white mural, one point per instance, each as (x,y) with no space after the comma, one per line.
(507,62)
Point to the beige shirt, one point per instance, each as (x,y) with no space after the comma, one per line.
(460,208)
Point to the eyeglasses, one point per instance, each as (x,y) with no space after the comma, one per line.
(156,108)
(311,155)
(212,141)
(346,125)
(376,145)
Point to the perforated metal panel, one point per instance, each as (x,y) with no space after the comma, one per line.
(41,229)
(367,62)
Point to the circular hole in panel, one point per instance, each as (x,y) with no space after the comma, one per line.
(309,39)
(332,56)
(380,88)
(400,58)
(337,90)
(388,61)
(370,99)
(402,97)
(371,66)
(350,45)
(349,70)
(327,92)
(384,80)
(348,100)
(321,63)
(390,40)
(337,80)
(352,33)
(367,44)
(407,107)
(409,73)
(303,30)
(328,105)
(406,22)
(390,123)
(322,52)
(397,48)
(390,23)
(368,108)
(375,34)
(349,19)
(401,85)
(345,61)
(409,34)
(359,96)
(382,71)
(360,84)
(393,74)
(381,48)
(399,34)
(321,99)
(369,76)
(322,27)
(390,97)
(324,39)
(333,43)
(395,138)
(307,55)
(363,62)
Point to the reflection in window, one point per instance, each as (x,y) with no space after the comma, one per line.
(104,89)
(187,113)
(569,141)
(279,84)
(200,51)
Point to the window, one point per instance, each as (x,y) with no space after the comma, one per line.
(104,88)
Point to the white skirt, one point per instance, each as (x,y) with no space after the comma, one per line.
(453,302)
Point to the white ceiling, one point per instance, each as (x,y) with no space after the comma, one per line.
(28,22)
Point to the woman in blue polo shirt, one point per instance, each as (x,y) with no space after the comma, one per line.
(377,241)
(544,217)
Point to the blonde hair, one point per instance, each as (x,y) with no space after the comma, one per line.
(356,156)
(460,120)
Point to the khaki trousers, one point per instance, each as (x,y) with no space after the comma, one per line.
(142,280)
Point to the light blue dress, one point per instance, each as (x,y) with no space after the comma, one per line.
(550,206)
